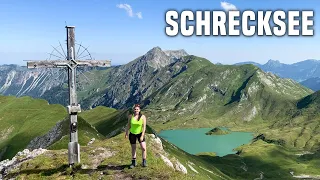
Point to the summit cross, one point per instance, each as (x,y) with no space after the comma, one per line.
(73,108)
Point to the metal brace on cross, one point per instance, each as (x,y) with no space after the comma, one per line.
(73,108)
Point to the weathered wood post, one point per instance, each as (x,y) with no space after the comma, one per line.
(73,108)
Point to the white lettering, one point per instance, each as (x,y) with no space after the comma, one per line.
(263,23)
(185,15)
(233,22)
(219,24)
(281,30)
(245,30)
(306,23)
(200,23)
(174,30)
(292,23)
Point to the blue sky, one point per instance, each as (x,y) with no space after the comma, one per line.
(29,28)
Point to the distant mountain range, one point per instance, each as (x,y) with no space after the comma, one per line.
(117,86)
(312,83)
(51,84)
(306,72)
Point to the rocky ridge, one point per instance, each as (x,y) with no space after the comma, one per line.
(20,81)
(116,87)
(8,165)
(46,140)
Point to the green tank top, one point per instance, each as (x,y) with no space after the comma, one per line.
(136,126)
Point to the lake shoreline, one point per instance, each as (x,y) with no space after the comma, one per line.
(195,140)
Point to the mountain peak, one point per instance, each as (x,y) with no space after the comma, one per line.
(158,58)
(273,63)
(248,62)
(176,53)
(155,49)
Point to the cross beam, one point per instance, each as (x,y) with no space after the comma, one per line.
(73,108)
(63,63)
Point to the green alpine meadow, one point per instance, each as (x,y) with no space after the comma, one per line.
(178,93)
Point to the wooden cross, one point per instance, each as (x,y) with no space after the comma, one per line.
(73,108)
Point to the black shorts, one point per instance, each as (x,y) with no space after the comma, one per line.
(133,138)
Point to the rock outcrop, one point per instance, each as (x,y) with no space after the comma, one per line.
(22,156)
(171,162)
(46,140)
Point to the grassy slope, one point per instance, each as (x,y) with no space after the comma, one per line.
(97,114)
(53,164)
(22,119)
(85,133)
(107,121)
(238,97)
(273,160)
(89,83)
(95,81)
(282,116)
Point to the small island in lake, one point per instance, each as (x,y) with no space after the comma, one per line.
(217,131)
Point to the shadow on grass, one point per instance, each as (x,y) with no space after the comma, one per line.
(43,172)
(112,167)
(238,167)
(112,123)
(65,170)
(106,169)
(236,96)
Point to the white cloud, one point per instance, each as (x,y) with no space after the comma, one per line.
(139,15)
(228,6)
(129,10)
(126,7)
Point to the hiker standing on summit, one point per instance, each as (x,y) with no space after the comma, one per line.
(137,126)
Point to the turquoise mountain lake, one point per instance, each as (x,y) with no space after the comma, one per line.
(196,141)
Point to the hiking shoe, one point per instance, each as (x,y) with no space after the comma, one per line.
(133,164)
(144,163)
